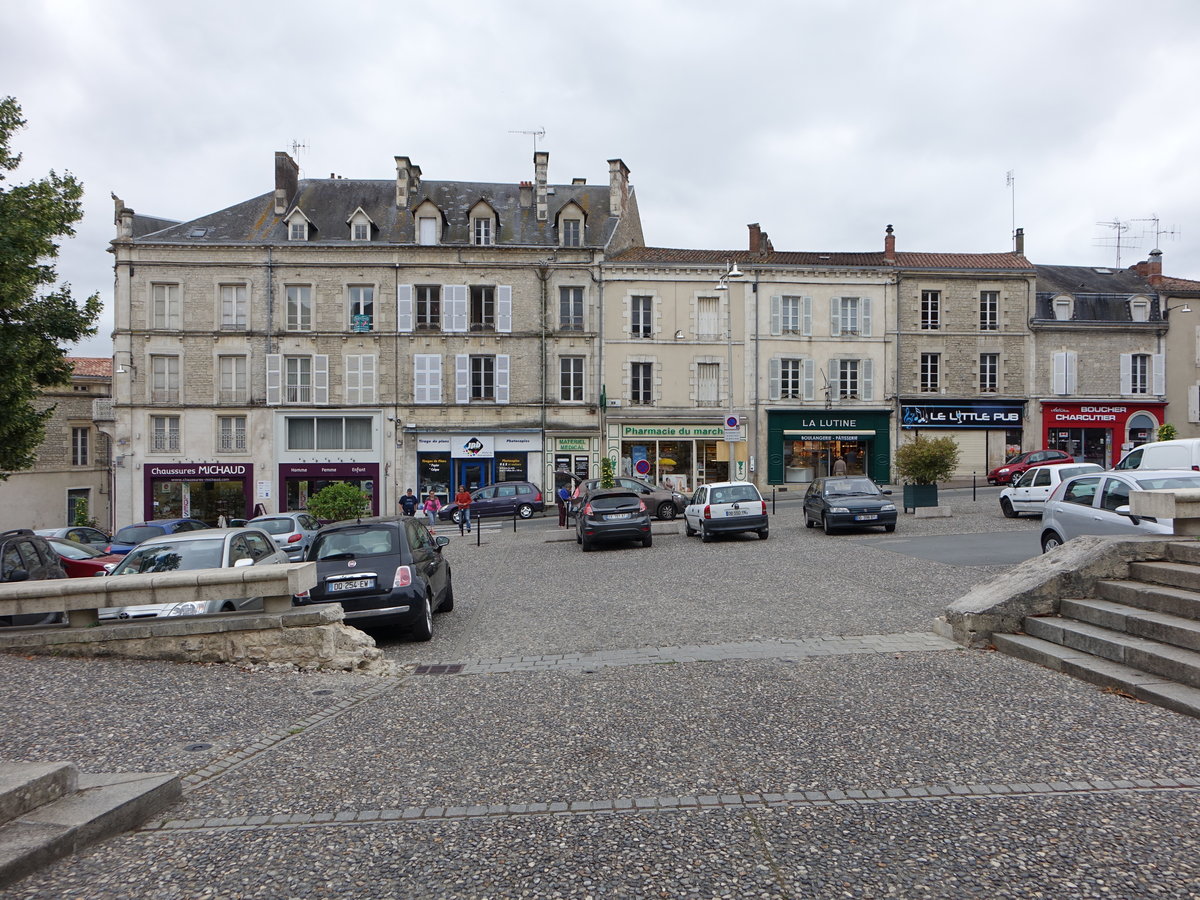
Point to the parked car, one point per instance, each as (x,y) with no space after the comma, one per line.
(25,556)
(661,501)
(839,501)
(1015,466)
(80,534)
(131,535)
(1028,493)
(81,560)
(612,514)
(726,507)
(502,499)
(383,570)
(1183,453)
(210,548)
(1099,504)
(292,532)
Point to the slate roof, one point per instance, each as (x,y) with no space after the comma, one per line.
(671,256)
(1100,294)
(328,203)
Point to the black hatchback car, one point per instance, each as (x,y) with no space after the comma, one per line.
(384,571)
(617,514)
(848,501)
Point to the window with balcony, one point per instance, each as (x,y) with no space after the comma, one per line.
(231,434)
(361,307)
(164,307)
(164,379)
(233,307)
(570,308)
(298,381)
(164,434)
(233,379)
(570,379)
(299,307)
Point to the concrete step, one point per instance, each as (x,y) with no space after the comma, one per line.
(1156,626)
(1185,551)
(1160,598)
(1105,673)
(26,786)
(103,805)
(1175,574)
(1173,663)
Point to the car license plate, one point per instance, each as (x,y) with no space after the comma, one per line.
(352,584)
(618,515)
(737,512)
(866,518)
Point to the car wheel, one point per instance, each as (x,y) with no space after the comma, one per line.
(1050,540)
(455,516)
(525,511)
(587,545)
(666,511)
(825,523)
(648,540)
(764,534)
(578,539)
(889,528)
(705,535)
(423,630)
(688,529)
(1007,509)
(808,523)
(448,597)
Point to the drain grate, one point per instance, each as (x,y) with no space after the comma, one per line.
(448,669)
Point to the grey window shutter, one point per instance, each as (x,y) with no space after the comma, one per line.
(1194,403)
(404,307)
(1158,376)
(456,297)
(773,377)
(865,316)
(434,373)
(274,378)
(420,378)
(1126,373)
(1058,383)
(1072,380)
(868,379)
(806,316)
(321,380)
(808,373)
(353,379)
(776,315)
(366,376)
(504,308)
(835,316)
(462,378)
(502,378)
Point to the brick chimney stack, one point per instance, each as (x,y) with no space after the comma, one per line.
(541,169)
(122,218)
(1155,276)
(618,187)
(889,246)
(755,237)
(408,177)
(287,181)
(1019,242)
(526,194)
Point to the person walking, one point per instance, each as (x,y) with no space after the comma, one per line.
(564,497)
(430,507)
(463,501)
(408,503)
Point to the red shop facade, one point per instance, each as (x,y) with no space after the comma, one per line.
(1099,431)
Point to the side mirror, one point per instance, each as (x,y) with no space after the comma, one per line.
(441,541)
(243,562)
(888,493)
(18,575)
(1124,511)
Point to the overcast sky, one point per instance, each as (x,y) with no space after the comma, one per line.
(823,121)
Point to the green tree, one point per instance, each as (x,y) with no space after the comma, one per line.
(339,501)
(1167,432)
(926,460)
(37,319)
(606,473)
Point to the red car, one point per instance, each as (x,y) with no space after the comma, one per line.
(80,560)
(1016,466)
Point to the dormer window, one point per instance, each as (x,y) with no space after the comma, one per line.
(298,230)
(360,225)
(571,231)
(428,224)
(481,232)
(1139,309)
(1063,308)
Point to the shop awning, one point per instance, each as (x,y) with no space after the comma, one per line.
(828,434)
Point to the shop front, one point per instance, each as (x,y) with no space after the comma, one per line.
(805,445)
(444,461)
(1097,431)
(204,491)
(572,462)
(680,456)
(987,431)
(299,481)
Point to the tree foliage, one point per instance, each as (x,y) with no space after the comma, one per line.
(339,501)
(1167,432)
(38,318)
(607,470)
(927,460)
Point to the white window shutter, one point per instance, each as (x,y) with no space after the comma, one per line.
(808,376)
(1198,345)
(1158,376)
(434,372)
(865,316)
(868,379)
(1126,373)
(274,378)
(835,316)
(456,301)
(462,378)
(353,379)
(420,378)
(1058,383)
(321,380)
(504,308)
(806,316)
(502,378)
(404,307)
(1072,372)
(367,378)
(776,316)
(1194,402)
(773,368)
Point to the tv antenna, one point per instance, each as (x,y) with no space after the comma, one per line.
(1011,180)
(297,146)
(538,134)
(1118,229)
(1157,230)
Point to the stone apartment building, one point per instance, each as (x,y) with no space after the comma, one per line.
(72,465)
(396,334)
(1179,305)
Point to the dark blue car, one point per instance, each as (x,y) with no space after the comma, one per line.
(132,535)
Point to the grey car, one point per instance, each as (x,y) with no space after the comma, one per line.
(292,532)
(661,502)
(212,548)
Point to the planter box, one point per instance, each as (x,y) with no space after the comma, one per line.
(916,495)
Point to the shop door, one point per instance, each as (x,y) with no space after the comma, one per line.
(474,474)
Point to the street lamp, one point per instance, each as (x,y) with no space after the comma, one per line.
(731,271)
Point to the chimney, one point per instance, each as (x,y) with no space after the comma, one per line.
(526,194)
(122,218)
(1154,268)
(618,187)
(408,177)
(889,246)
(541,165)
(1019,242)
(755,237)
(287,181)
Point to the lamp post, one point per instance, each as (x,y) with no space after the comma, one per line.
(731,271)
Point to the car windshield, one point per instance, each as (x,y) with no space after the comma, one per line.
(1072,471)
(355,542)
(850,487)
(163,556)
(276,526)
(135,534)
(71,550)
(1017,458)
(1169,482)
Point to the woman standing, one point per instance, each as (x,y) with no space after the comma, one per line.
(431,506)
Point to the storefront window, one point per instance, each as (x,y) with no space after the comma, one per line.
(805,460)
(433,473)
(512,467)
(1093,445)
(300,489)
(713,461)
(204,500)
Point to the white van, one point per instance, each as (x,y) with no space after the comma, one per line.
(1181,454)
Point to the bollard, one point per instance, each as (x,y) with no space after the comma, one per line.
(772,501)
(972,487)
(478,523)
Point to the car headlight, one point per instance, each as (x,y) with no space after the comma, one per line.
(838,509)
(1002,471)
(190,608)
(888,507)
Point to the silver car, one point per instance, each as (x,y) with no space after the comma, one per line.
(292,532)
(1029,492)
(1099,504)
(213,548)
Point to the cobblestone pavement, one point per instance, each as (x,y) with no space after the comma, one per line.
(738,719)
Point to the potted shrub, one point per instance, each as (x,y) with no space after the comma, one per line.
(922,463)
(339,501)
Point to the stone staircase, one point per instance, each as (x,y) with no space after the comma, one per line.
(49,810)
(1139,635)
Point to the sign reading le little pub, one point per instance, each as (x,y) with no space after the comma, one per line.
(966,414)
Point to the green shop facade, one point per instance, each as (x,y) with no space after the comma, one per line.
(806,444)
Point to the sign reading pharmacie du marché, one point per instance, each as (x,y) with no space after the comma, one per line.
(967,414)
